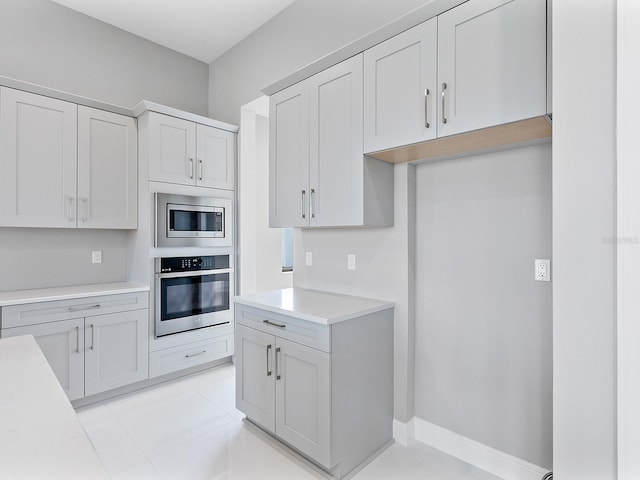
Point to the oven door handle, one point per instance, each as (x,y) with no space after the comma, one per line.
(194,273)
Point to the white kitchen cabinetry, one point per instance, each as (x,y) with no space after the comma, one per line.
(319,176)
(320,377)
(188,153)
(492,56)
(491,60)
(38,158)
(400,89)
(92,344)
(64,165)
(107,170)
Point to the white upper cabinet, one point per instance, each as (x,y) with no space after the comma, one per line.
(64,165)
(107,170)
(318,174)
(289,157)
(38,158)
(216,151)
(187,153)
(492,58)
(480,64)
(400,89)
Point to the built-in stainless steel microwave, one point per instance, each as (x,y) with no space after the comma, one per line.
(185,221)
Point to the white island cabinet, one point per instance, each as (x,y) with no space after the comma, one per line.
(315,369)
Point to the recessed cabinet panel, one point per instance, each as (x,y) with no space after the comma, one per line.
(107,170)
(255,385)
(492,58)
(38,154)
(172,149)
(289,157)
(116,350)
(400,89)
(336,154)
(303,399)
(216,154)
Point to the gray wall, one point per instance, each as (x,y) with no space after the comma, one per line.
(47,44)
(483,324)
(44,43)
(584,229)
(299,35)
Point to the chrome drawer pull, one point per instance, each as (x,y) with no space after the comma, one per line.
(274,324)
(268,369)
(189,355)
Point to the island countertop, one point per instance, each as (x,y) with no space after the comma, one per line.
(40,435)
(315,306)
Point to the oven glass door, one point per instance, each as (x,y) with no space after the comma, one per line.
(193,295)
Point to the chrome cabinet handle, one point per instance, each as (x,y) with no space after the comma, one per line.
(268,369)
(85,209)
(92,336)
(312,202)
(84,307)
(444,89)
(426,108)
(189,355)
(274,324)
(277,368)
(200,168)
(77,339)
(304,193)
(191,168)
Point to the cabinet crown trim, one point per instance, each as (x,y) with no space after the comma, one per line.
(147,106)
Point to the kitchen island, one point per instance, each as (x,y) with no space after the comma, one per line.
(40,435)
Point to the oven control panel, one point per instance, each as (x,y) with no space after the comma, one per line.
(190,264)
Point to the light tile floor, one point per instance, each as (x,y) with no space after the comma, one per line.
(189,429)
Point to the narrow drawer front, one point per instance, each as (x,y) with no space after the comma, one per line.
(173,359)
(303,332)
(45,312)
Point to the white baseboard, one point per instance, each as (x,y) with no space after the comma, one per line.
(404,433)
(477,454)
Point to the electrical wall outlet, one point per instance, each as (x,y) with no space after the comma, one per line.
(543,270)
(96,256)
(309,259)
(351,262)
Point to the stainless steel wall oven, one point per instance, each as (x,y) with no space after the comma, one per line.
(192,293)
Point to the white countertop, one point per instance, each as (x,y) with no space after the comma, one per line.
(40,435)
(313,305)
(20,297)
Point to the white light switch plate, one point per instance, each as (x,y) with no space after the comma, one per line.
(351,262)
(309,259)
(96,256)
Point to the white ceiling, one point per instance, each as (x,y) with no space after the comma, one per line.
(202,29)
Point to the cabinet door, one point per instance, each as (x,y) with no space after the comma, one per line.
(216,157)
(172,149)
(116,352)
(38,154)
(107,170)
(336,146)
(400,89)
(492,59)
(62,344)
(303,399)
(289,157)
(255,377)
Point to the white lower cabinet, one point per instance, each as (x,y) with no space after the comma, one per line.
(324,390)
(92,344)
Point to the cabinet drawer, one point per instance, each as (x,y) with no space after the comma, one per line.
(44,312)
(300,331)
(173,359)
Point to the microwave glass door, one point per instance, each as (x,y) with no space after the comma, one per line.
(186,221)
(194,295)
